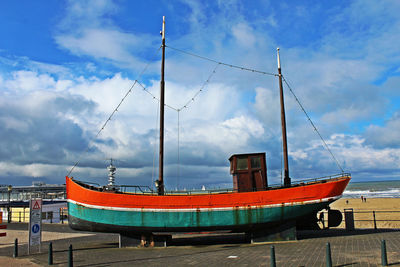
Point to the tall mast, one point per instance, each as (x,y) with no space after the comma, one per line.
(286,179)
(162,100)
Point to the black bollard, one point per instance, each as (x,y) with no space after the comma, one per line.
(50,253)
(273,261)
(15,248)
(70,259)
(328,255)
(383,253)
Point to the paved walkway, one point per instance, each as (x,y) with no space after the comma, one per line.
(359,248)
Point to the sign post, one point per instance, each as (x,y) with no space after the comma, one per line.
(2,226)
(35,223)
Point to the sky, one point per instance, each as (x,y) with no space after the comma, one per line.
(65,66)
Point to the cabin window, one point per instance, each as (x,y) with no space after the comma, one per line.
(256,163)
(241,163)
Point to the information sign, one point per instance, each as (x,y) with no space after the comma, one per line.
(35,223)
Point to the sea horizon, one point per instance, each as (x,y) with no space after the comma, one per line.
(373,189)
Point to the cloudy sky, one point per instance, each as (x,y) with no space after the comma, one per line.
(66,65)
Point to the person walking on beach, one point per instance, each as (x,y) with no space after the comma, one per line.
(362,199)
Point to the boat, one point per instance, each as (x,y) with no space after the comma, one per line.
(251,206)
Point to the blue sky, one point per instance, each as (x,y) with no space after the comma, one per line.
(65,66)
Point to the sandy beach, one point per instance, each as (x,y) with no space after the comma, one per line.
(387,211)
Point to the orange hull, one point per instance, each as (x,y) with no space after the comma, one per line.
(297,194)
(96,210)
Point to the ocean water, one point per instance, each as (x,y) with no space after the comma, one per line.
(381,189)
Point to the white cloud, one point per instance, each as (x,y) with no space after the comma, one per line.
(11,123)
(333,70)
(90,13)
(231,136)
(86,30)
(243,34)
(103,44)
(30,81)
(386,136)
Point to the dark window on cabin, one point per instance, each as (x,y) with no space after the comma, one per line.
(241,163)
(255,163)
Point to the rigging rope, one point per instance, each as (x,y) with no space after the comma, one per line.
(312,124)
(222,63)
(192,100)
(178,110)
(200,90)
(264,73)
(154,97)
(155,150)
(178,167)
(114,111)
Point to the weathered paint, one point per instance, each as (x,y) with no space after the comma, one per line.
(193,219)
(204,211)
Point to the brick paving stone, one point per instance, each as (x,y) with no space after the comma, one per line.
(360,248)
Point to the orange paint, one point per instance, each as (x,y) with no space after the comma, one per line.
(312,191)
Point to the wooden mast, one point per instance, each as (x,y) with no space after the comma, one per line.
(286,180)
(160,187)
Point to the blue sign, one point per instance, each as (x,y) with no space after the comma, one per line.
(35,228)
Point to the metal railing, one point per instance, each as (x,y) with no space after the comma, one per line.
(47,216)
(373,219)
(369,219)
(143,189)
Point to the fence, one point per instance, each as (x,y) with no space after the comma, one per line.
(376,219)
(22,215)
(369,219)
(361,219)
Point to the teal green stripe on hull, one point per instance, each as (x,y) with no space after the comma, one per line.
(197,219)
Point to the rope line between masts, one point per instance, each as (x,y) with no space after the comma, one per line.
(178,110)
(189,101)
(312,124)
(195,96)
(222,63)
(201,88)
(154,97)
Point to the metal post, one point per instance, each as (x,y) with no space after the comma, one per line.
(9,189)
(383,253)
(328,255)
(373,213)
(70,257)
(15,255)
(50,261)
(273,261)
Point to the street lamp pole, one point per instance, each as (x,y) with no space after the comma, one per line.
(9,188)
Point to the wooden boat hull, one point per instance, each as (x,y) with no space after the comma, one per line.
(93,210)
